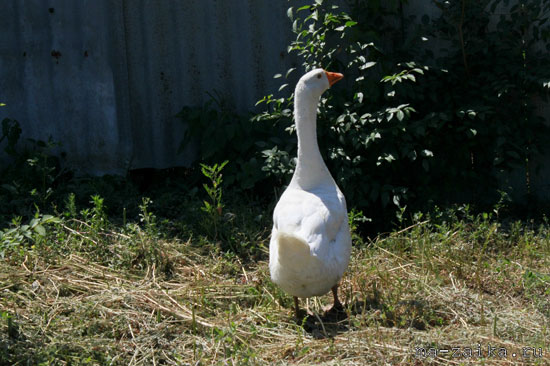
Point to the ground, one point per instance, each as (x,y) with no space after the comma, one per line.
(460,292)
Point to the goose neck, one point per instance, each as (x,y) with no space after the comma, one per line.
(310,167)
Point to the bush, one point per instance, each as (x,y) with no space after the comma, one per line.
(432,111)
(28,181)
(222,134)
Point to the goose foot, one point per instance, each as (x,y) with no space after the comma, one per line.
(337,310)
(302,316)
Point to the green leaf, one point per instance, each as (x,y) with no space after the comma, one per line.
(400,115)
(513,154)
(289,13)
(260,101)
(367,65)
(40,230)
(426,153)
(315,15)
(9,188)
(396,200)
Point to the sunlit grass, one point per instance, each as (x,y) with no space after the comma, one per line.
(90,292)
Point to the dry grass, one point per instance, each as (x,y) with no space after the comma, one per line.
(423,287)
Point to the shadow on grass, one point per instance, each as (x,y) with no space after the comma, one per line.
(327,325)
(414,313)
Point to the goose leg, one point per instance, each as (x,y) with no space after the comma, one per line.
(296,307)
(337,304)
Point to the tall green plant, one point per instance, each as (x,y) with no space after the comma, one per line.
(415,123)
(214,206)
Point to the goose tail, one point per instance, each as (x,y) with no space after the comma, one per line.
(292,250)
(295,268)
(294,259)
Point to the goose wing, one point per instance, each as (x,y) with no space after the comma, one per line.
(319,217)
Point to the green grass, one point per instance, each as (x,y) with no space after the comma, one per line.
(89,291)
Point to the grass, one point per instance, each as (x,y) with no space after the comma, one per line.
(86,291)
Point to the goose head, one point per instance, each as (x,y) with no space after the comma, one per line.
(316,82)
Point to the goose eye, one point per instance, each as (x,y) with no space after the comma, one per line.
(318,76)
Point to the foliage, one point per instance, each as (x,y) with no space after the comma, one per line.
(497,71)
(214,190)
(222,134)
(236,223)
(213,208)
(36,196)
(430,111)
(29,179)
(10,131)
(13,240)
(147,217)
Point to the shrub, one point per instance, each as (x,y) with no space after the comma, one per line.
(222,134)
(28,181)
(432,111)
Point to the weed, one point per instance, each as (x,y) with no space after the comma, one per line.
(356,218)
(70,206)
(45,170)
(214,206)
(14,239)
(96,216)
(147,217)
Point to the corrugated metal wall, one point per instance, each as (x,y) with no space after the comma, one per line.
(106,77)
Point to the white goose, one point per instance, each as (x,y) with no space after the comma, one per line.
(310,242)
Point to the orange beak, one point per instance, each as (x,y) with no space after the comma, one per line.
(333,77)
